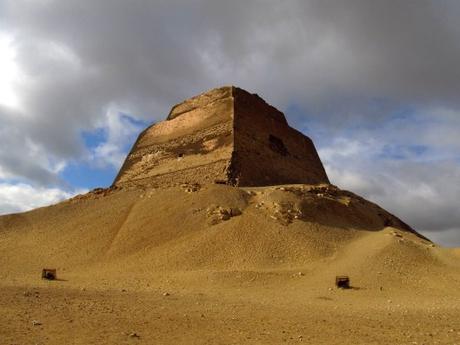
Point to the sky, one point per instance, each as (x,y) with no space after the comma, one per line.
(375,84)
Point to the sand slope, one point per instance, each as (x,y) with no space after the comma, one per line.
(242,263)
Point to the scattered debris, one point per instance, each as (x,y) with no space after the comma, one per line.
(342,282)
(190,187)
(96,193)
(217,214)
(235,212)
(49,273)
(285,212)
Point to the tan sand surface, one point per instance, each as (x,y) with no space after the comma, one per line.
(215,264)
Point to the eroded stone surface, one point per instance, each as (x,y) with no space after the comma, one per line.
(225,135)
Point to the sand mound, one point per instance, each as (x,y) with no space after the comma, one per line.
(225,265)
(213,227)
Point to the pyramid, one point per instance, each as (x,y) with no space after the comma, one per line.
(228,136)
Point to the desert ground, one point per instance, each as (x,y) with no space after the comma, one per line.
(215,264)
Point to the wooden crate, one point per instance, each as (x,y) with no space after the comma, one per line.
(49,273)
(342,282)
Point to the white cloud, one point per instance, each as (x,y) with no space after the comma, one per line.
(9,72)
(23,197)
(344,148)
(422,193)
(119,130)
(21,157)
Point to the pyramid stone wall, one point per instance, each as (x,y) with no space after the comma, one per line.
(225,135)
(267,150)
(193,145)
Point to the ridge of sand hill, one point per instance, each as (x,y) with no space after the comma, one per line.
(215,264)
(195,227)
(209,227)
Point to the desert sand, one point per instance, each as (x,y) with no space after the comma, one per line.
(216,264)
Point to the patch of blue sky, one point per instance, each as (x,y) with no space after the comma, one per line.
(403,114)
(98,136)
(407,152)
(93,139)
(309,125)
(86,176)
(418,150)
(393,152)
(388,135)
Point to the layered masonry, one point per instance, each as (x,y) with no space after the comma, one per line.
(226,135)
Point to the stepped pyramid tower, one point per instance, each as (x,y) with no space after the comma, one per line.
(226,135)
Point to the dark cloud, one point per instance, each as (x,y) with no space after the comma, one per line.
(329,56)
(21,157)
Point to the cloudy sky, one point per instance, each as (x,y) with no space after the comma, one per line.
(376,84)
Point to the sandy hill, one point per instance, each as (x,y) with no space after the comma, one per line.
(215,261)
(219,228)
